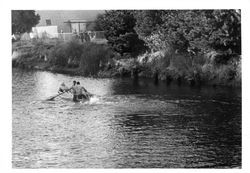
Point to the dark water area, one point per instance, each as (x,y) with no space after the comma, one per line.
(127,124)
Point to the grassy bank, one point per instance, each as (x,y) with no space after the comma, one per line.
(207,69)
(90,59)
(71,57)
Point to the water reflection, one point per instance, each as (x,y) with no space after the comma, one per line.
(127,125)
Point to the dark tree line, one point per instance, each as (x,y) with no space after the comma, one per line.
(184,31)
(119,30)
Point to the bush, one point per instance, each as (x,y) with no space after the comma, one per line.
(225,74)
(87,56)
(171,66)
(65,53)
(58,55)
(92,55)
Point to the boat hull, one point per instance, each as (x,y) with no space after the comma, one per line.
(69,97)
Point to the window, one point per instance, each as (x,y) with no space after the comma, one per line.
(48,22)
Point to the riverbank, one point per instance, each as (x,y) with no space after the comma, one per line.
(89,59)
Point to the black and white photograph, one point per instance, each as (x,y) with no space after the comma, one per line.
(126,88)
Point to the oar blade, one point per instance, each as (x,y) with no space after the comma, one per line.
(53,97)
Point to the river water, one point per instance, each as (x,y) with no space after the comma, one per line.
(127,124)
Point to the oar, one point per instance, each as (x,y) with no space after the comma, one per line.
(88,94)
(53,97)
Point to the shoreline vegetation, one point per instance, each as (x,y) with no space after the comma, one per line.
(198,47)
(100,61)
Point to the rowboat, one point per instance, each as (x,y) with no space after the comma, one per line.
(69,97)
(66,95)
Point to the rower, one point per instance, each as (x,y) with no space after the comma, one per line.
(82,91)
(63,88)
(73,90)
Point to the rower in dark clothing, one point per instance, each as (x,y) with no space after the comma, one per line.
(73,89)
(81,91)
(63,88)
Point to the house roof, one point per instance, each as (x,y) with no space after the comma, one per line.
(71,14)
(61,16)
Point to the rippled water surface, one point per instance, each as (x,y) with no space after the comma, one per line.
(127,124)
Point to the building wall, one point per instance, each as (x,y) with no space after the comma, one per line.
(59,17)
(44,31)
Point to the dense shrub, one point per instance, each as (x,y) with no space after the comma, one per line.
(66,52)
(193,69)
(58,55)
(92,56)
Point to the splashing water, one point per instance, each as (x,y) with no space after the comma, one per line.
(94,100)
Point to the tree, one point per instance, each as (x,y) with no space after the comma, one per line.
(226,31)
(147,21)
(118,26)
(23,20)
(199,31)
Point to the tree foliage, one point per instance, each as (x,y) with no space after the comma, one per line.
(23,20)
(183,31)
(147,21)
(226,31)
(119,31)
(198,31)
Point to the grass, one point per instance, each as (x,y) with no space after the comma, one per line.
(83,57)
(196,69)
